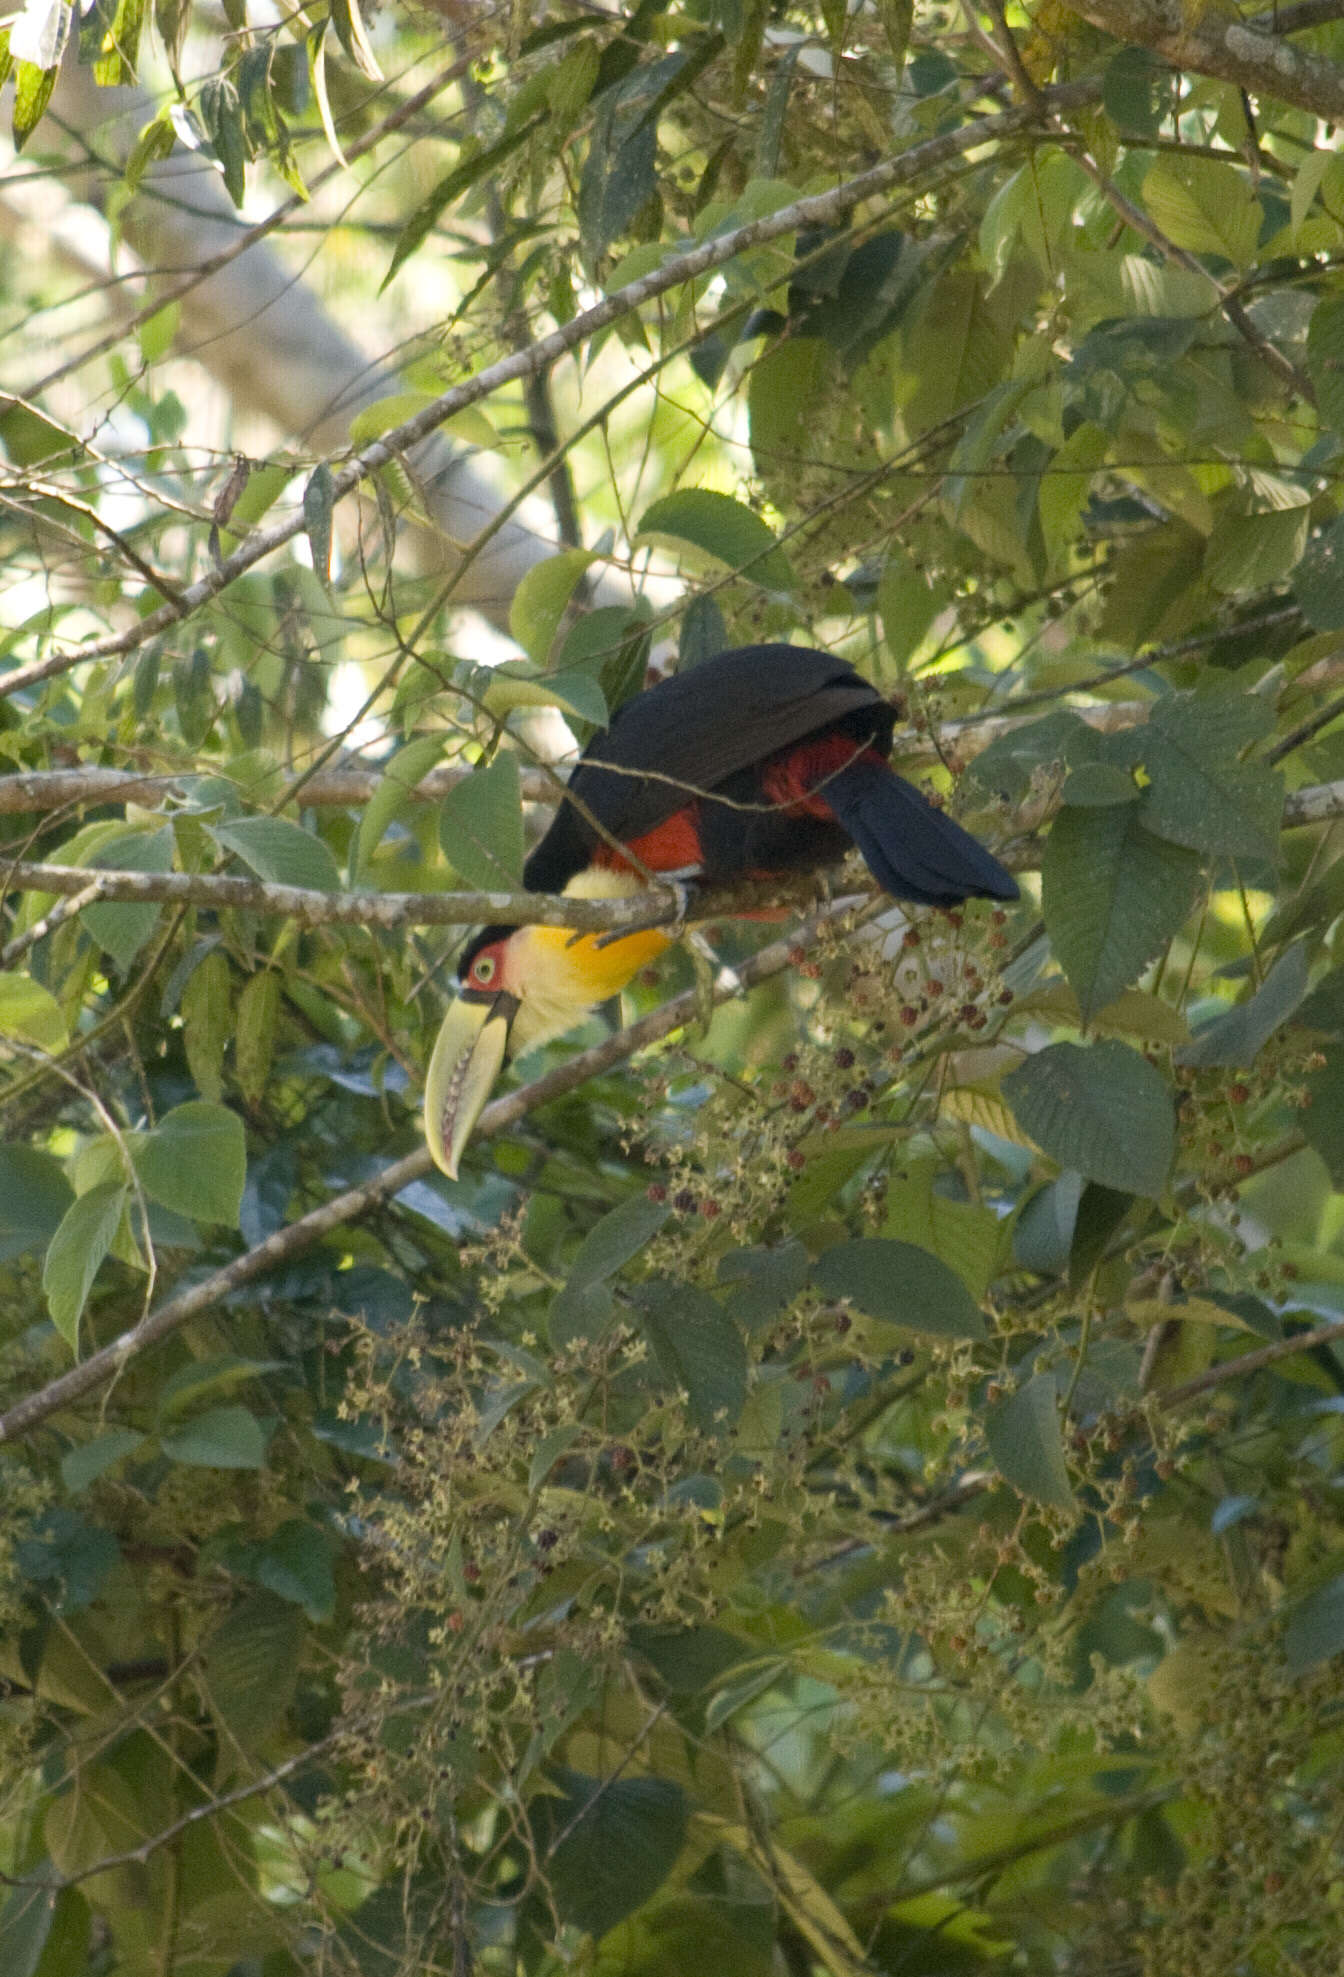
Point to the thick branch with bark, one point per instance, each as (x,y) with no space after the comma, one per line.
(1211,44)
(393,912)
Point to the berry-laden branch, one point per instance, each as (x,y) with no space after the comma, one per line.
(105,1364)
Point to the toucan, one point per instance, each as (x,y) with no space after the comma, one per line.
(760,761)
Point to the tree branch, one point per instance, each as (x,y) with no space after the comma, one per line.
(1251,1362)
(392,912)
(819,210)
(1211,44)
(207,1295)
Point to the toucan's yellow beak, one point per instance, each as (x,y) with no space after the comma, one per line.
(468,1053)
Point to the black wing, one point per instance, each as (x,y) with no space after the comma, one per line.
(695,731)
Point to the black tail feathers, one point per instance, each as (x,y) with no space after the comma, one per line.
(912,850)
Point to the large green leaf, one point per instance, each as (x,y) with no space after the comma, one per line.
(481,826)
(620,1234)
(1113,896)
(34,1195)
(902,1285)
(723,528)
(1238,1037)
(1200,793)
(280,852)
(1205,206)
(1103,1110)
(31,1012)
(195,1161)
(249,1667)
(1318,583)
(1315,1630)
(1325,358)
(220,1438)
(392,798)
(1026,1444)
(542,598)
(699,1349)
(122,931)
(1322,1119)
(611,1843)
(83,1238)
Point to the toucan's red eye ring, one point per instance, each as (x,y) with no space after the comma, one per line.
(483,970)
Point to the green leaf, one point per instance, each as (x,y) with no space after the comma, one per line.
(195,1161)
(907,604)
(1043,1232)
(481,826)
(207,1022)
(1325,357)
(1247,552)
(393,798)
(249,1669)
(25,1922)
(122,931)
(1238,1037)
(1067,486)
(84,1463)
(1199,793)
(573,690)
(1113,895)
(1315,1630)
(962,1234)
(222,1374)
(579,1314)
(1205,206)
(221,1438)
(610,1843)
(34,1195)
(1102,1109)
(619,173)
(699,1349)
(319,496)
(1026,1444)
(1099,786)
(723,528)
(542,599)
(902,1285)
(957,349)
(32,91)
(1323,1119)
(83,1239)
(29,1011)
(295,1562)
(1137,89)
(1318,584)
(279,851)
(765,1281)
(622,1233)
(254,1044)
(548,1452)
(782,387)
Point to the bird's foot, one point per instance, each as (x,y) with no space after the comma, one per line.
(682,890)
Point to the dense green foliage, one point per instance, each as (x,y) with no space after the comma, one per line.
(845,1489)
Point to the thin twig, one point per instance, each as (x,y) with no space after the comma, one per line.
(1251,1362)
